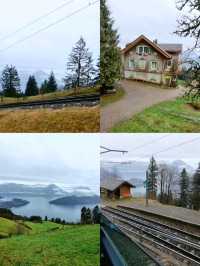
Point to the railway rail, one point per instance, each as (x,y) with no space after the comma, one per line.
(82,99)
(178,242)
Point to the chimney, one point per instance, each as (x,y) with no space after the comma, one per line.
(156,41)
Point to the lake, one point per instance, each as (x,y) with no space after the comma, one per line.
(40,206)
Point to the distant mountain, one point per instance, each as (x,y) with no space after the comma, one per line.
(40,77)
(74,200)
(179,165)
(137,182)
(125,170)
(13,189)
(13,203)
(135,171)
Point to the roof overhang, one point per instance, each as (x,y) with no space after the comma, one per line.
(123,183)
(152,44)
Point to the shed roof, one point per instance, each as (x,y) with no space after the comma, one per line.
(112,183)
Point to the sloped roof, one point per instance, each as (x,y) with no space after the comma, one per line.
(171,47)
(112,183)
(152,44)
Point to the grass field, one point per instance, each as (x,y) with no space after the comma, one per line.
(50,96)
(69,119)
(111,98)
(37,228)
(8,228)
(171,116)
(70,245)
(11,227)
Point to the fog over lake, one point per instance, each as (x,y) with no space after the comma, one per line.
(40,206)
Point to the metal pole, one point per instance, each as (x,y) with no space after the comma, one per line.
(147,202)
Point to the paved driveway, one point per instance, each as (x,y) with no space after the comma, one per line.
(138,96)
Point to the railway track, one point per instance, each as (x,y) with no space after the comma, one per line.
(174,241)
(91,98)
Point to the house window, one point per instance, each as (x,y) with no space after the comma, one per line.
(154,65)
(143,50)
(131,63)
(146,50)
(140,50)
(169,63)
(141,64)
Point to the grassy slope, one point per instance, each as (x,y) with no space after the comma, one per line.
(49,96)
(41,227)
(69,119)
(8,227)
(73,245)
(111,98)
(171,116)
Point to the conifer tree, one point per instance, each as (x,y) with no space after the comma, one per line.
(184,188)
(88,216)
(31,87)
(79,66)
(110,58)
(44,87)
(10,82)
(196,189)
(152,178)
(83,215)
(96,215)
(51,83)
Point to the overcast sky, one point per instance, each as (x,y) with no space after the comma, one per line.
(156,19)
(68,159)
(153,144)
(48,50)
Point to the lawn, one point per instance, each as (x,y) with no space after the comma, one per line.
(111,98)
(72,245)
(49,96)
(69,119)
(171,116)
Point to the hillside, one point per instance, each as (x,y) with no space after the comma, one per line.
(76,245)
(9,227)
(13,203)
(73,200)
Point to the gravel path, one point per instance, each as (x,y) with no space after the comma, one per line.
(138,96)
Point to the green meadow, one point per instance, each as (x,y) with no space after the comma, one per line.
(49,244)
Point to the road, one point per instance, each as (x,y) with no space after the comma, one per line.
(138,96)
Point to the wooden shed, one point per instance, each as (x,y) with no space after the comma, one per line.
(115,188)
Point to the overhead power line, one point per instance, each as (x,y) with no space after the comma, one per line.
(149,143)
(36,20)
(178,145)
(50,25)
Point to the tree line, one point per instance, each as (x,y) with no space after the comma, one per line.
(81,72)
(88,216)
(161,181)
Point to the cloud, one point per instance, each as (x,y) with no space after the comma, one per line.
(71,159)
(156,19)
(143,146)
(49,49)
